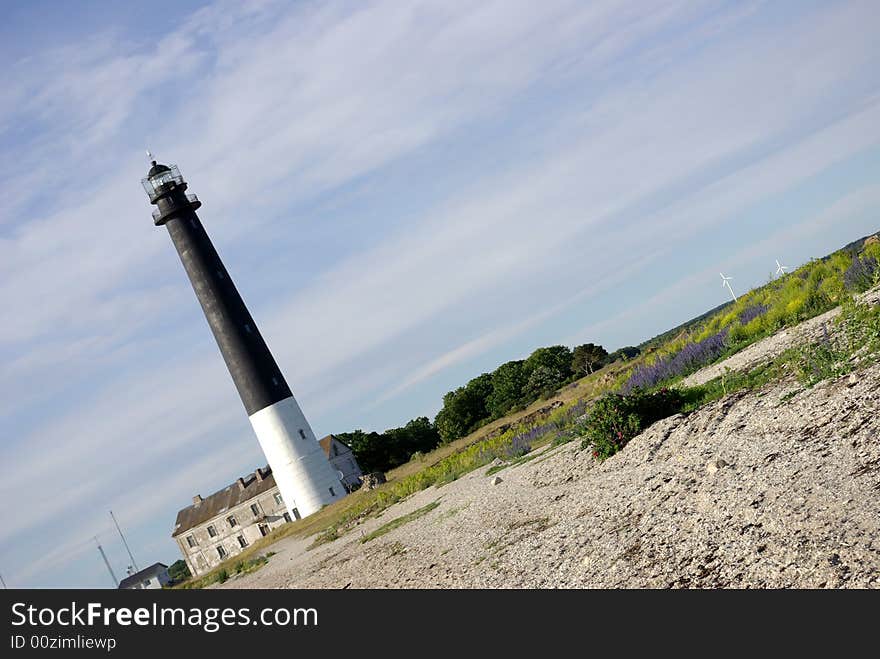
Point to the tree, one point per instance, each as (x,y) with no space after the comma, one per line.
(623,354)
(543,382)
(587,358)
(392,448)
(417,435)
(508,384)
(369,450)
(178,571)
(464,408)
(555,358)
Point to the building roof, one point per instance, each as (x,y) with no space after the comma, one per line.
(137,577)
(245,488)
(327,442)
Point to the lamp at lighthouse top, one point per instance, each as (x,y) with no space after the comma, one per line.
(160,180)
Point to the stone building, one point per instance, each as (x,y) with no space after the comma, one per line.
(216,528)
(154,576)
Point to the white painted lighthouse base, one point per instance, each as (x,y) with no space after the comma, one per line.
(302,472)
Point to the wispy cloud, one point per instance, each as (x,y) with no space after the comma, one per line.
(399,192)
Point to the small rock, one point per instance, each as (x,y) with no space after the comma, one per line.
(497,462)
(852,381)
(372,480)
(715,465)
(497,480)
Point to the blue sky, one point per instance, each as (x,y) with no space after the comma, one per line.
(407,194)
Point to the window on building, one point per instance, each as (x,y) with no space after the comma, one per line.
(231,520)
(242,542)
(221,551)
(220,274)
(302,433)
(191,541)
(147,583)
(255,509)
(275,381)
(247,328)
(332,493)
(278,500)
(287,517)
(212,531)
(264,529)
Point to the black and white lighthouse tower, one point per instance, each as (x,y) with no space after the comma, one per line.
(303,473)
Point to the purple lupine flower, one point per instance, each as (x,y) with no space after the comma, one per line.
(687,360)
(748,314)
(860,275)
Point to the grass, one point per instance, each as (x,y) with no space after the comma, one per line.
(854,344)
(494,470)
(452,511)
(513,463)
(534,525)
(400,521)
(227,569)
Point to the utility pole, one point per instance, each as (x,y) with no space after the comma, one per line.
(106,562)
(136,568)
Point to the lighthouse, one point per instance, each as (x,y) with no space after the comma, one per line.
(302,472)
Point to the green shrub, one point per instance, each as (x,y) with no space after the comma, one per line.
(222,576)
(615,419)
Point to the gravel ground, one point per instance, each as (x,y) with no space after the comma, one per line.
(755,490)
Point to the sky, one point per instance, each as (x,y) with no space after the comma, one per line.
(406,195)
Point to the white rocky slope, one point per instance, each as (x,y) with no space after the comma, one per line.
(754,490)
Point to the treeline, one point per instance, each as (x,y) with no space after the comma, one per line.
(383,451)
(516,384)
(512,386)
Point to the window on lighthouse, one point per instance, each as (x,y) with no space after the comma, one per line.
(302,433)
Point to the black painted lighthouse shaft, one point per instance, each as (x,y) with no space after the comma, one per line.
(253,369)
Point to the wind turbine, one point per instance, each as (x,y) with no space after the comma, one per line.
(725,281)
(780,269)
